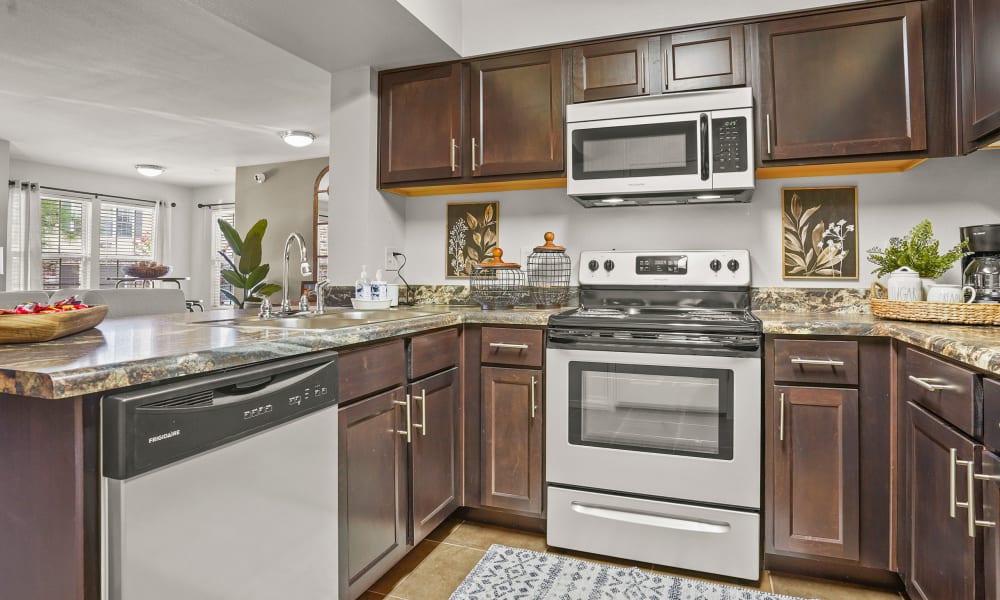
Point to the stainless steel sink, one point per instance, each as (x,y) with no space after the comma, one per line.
(332,319)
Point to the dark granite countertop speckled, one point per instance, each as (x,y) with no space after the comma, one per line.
(975,345)
(121,353)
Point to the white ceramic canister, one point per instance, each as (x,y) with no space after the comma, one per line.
(904,284)
(954,294)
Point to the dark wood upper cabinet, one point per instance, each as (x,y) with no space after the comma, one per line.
(940,559)
(512,430)
(978,37)
(842,84)
(434,463)
(420,124)
(608,70)
(702,59)
(816,466)
(373,490)
(517,114)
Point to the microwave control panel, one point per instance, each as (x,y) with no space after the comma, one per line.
(729,145)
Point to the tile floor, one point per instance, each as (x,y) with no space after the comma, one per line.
(435,568)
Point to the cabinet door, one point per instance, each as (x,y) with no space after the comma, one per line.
(420,124)
(991,514)
(941,558)
(978,23)
(373,490)
(705,58)
(845,83)
(816,489)
(517,114)
(512,412)
(610,70)
(434,451)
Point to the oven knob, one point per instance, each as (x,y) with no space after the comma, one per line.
(715,265)
(609,265)
(593,265)
(733,265)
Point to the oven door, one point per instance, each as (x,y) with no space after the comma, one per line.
(674,426)
(639,154)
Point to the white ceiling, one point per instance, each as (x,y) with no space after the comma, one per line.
(101,85)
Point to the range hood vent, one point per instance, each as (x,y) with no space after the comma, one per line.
(666,198)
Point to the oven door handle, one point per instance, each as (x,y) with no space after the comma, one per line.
(561,341)
(650,519)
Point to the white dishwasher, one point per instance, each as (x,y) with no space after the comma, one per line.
(223,487)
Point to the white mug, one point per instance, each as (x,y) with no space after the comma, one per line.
(954,294)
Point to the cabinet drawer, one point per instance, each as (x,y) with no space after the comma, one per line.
(508,346)
(816,361)
(432,352)
(991,413)
(943,388)
(371,369)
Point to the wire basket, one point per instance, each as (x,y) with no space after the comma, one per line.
(549,272)
(495,284)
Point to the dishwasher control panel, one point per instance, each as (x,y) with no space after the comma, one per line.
(151,428)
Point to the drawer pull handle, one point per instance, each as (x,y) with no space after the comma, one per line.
(825,362)
(505,345)
(930,387)
(409,419)
(781,419)
(650,519)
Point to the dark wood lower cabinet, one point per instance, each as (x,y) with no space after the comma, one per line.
(940,558)
(816,472)
(991,513)
(434,451)
(512,438)
(373,490)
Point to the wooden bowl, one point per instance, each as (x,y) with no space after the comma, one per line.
(144,271)
(22,329)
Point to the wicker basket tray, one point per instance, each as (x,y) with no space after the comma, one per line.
(20,329)
(932,312)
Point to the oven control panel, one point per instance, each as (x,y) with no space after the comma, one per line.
(676,268)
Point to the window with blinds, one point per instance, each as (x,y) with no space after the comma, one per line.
(65,226)
(219,244)
(126,237)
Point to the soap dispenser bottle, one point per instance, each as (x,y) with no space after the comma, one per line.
(362,287)
(380,289)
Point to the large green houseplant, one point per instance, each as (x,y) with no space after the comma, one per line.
(246,272)
(919,251)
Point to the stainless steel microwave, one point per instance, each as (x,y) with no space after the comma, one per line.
(693,147)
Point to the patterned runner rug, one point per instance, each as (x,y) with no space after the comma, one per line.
(518,574)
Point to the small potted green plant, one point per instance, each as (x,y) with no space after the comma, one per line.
(246,272)
(919,251)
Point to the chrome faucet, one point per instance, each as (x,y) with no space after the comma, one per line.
(321,296)
(304,268)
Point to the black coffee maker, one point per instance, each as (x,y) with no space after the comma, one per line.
(981,266)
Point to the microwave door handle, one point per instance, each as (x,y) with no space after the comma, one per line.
(703,125)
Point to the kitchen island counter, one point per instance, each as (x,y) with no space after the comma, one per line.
(974,345)
(121,353)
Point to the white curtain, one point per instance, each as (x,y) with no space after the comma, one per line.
(163,222)
(24,237)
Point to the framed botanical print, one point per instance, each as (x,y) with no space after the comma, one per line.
(472,234)
(819,233)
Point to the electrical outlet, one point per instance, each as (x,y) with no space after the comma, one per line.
(392,262)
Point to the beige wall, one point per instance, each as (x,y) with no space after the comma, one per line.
(285,199)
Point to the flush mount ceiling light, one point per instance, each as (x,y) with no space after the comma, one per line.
(299,139)
(150,170)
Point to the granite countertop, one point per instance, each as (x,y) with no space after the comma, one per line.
(120,353)
(975,345)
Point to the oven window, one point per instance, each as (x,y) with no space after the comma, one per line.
(649,150)
(648,408)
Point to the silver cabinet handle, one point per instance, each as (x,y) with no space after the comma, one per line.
(828,362)
(473,154)
(970,491)
(505,345)
(453,149)
(927,385)
(781,419)
(534,382)
(953,502)
(767,126)
(980,477)
(422,426)
(409,419)
(642,71)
